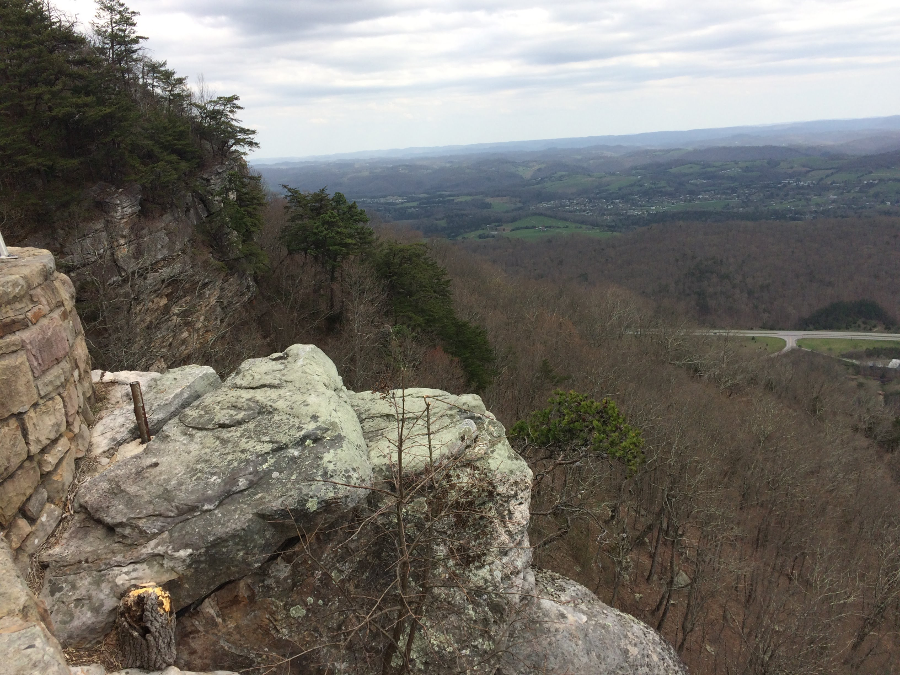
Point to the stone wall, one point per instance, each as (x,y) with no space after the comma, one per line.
(45,396)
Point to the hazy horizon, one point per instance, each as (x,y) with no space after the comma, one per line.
(320,77)
(887,124)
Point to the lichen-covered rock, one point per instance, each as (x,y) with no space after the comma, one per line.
(466,529)
(564,628)
(165,396)
(26,645)
(292,519)
(217,491)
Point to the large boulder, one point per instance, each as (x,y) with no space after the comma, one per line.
(218,490)
(480,607)
(296,522)
(465,522)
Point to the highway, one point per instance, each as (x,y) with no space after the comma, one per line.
(790,337)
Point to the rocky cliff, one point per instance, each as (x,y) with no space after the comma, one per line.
(153,285)
(305,527)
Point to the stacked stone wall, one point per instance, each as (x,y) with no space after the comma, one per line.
(45,397)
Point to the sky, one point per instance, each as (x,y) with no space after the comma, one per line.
(326,76)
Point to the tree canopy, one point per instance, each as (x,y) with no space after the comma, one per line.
(422,300)
(75,111)
(575,421)
(327,228)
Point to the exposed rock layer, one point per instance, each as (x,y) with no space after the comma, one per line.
(155,295)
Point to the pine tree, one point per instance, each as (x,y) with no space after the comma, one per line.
(115,30)
(219,124)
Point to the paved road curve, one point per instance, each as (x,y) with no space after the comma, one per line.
(790,337)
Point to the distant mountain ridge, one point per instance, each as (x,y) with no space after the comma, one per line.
(851,136)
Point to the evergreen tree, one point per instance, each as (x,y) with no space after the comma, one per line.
(218,122)
(240,217)
(329,229)
(115,29)
(422,301)
(50,116)
(74,112)
(574,421)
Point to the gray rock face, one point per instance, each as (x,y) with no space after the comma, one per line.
(173,302)
(100,670)
(214,494)
(26,649)
(564,629)
(26,646)
(467,531)
(164,397)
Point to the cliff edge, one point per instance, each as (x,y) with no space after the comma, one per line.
(300,525)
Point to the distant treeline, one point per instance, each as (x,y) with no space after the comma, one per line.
(853,315)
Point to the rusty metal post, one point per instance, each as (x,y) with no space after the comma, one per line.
(139,413)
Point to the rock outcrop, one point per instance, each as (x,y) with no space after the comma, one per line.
(164,397)
(26,644)
(213,494)
(295,522)
(155,294)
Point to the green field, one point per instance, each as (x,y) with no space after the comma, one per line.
(838,346)
(702,206)
(535,227)
(769,344)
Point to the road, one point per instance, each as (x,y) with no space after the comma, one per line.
(790,337)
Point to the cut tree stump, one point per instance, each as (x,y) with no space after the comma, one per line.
(145,629)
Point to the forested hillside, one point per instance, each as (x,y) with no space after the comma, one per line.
(755,524)
(135,181)
(78,110)
(743,505)
(727,275)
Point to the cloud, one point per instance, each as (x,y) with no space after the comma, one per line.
(289,54)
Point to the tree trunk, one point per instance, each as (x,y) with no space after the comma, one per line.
(145,628)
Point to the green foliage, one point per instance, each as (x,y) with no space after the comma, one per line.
(115,30)
(573,420)
(327,228)
(218,121)
(422,300)
(855,315)
(48,110)
(240,217)
(74,112)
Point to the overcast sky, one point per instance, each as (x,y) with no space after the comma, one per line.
(325,76)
